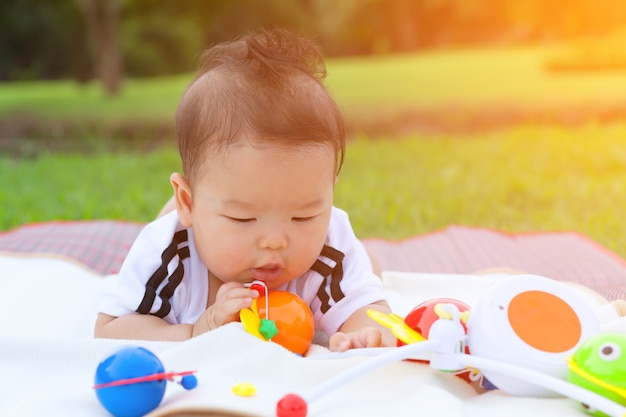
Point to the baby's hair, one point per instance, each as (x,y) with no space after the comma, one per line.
(265,87)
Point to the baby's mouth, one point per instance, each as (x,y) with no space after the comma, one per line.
(267,272)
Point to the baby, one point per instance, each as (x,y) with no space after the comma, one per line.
(262,143)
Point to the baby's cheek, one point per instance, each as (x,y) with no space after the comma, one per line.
(227,264)
(300,261)
(223,259)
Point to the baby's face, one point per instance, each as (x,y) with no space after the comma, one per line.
(263,213)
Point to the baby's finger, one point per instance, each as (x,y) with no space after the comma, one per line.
(232,290)
(339,342)
(228,311)
(370,337)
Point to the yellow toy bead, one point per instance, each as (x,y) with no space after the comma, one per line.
(244,389)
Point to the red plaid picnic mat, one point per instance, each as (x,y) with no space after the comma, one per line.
(567,256)
(101,245)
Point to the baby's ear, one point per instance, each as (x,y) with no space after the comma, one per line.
(182,198)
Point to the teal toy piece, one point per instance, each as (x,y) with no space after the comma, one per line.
(599,365)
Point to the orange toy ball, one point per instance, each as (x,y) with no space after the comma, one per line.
(293,318)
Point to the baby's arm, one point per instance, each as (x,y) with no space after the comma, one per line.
(229,300)
(140,327)
(360,331)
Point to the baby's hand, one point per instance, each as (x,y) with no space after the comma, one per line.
(364,338)
(231,298)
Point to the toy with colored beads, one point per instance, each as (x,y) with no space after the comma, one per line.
(527,336)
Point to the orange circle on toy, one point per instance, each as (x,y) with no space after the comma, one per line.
(544,321)
(293,318)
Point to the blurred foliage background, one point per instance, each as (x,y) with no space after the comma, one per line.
(52,39)
(115,44)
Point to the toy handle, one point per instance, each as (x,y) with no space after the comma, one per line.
(392,355)
(560,386)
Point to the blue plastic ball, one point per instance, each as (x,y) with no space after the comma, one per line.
(132,400)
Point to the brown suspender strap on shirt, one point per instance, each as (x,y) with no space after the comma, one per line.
(334,273)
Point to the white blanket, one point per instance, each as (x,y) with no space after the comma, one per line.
(48,357)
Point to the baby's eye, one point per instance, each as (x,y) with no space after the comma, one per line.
(302,219)
(609,351)
(240,220)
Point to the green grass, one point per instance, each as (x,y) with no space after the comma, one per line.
(528,178)
(154,98)
(468,79)
(471,78)
(71,186)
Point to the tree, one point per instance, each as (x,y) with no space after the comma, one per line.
(42,39)
(101,23)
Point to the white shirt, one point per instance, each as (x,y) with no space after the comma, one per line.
(173,283)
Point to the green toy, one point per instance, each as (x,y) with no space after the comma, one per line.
(599,365)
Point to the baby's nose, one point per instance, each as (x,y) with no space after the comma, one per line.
(273,239)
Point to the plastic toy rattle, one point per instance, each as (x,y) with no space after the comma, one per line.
(131,382)
(599,365)
(422,317)
(521,335)
(281,317)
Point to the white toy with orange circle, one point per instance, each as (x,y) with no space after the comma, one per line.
(532,322)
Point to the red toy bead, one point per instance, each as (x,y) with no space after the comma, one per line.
(259,288)
(423,316)
(291,405)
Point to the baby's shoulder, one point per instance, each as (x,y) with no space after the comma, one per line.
(340,232)
(161,233)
